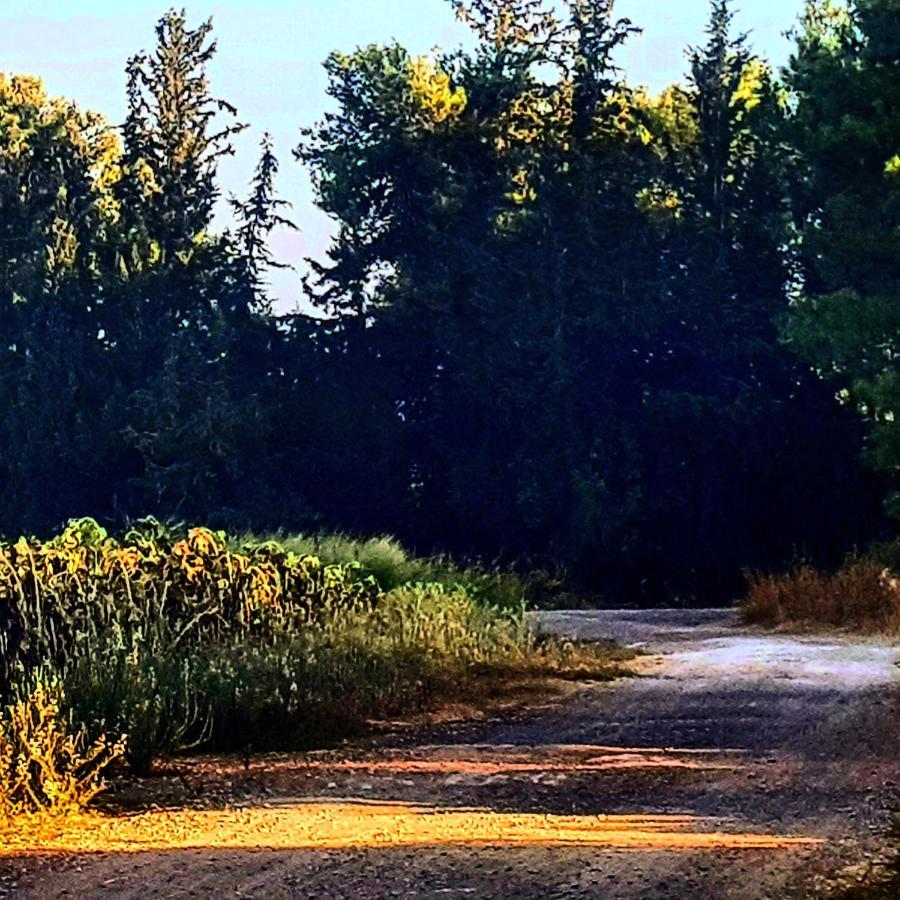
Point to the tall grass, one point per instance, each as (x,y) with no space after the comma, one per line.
(390,565)
(863,596)
(382,558)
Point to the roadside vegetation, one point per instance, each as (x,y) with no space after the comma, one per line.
(862,596)
(167,639)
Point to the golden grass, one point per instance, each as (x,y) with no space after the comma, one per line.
(44,766)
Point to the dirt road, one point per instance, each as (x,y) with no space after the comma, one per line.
(740,765)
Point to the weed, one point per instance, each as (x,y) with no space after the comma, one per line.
(45,766)
(862,596)
(183,638)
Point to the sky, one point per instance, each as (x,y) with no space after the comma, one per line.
(270,58)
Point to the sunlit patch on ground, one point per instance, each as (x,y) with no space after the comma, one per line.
(355,824)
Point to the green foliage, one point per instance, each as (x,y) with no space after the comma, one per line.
(611,265)
(382,558)
(417,642)
(124,624)
(391,566)
(175,134)
(847,321)
(544,285)
(136,341)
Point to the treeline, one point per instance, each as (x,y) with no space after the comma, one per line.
(649,339)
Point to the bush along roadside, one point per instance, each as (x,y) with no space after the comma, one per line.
(169,640)
(863,596)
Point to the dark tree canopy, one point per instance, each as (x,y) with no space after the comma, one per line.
(562,322)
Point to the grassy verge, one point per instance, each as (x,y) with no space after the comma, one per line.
(169,641)
(390,565)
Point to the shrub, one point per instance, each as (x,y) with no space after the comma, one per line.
(153,697)
(863,596)
(83,590)
(886,554)
(359,661)
(46,767)
(381,558)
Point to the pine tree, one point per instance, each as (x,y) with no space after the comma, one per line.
(257,217)
(175,134)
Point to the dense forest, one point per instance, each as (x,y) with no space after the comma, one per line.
(648,340)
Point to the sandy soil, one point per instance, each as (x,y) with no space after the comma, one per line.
(739,765)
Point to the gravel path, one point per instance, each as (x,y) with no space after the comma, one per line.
(739,765)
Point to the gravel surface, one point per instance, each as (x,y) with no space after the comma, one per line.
(739,764)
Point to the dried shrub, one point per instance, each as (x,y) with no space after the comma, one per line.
(46,767)
(862,596)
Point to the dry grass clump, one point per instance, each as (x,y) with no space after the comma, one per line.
(862,596)
(566,660)
(46,768)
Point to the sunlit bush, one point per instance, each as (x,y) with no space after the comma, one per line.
(389,564)
(130,626)
(45,765)
(85,588)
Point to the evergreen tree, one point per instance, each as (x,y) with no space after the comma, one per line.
(547,321)
(571,281)
(846,321)
(721,371)
(59,223)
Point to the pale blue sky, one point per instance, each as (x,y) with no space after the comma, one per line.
(270,55)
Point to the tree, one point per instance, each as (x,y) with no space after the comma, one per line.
(175,133)
(547,324)
(190,298)
(571,281)
(846,321)
(59,221)
(257,217)
(136,349)
(454,182)
(721,197)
